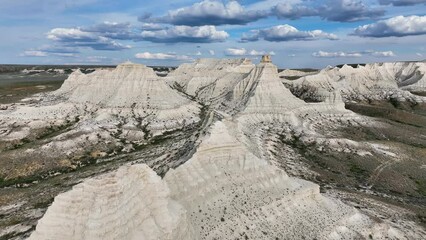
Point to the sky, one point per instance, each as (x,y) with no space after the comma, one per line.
(296,33)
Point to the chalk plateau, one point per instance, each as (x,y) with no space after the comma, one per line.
(131,95)
(228,182)
(131,203)
(378,81)
(222,192)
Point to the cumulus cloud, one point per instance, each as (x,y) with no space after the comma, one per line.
(34,53)
(331,10)
(399,26)
(401,2)
(244,52)
(58,49)
(112,30)
(209,12)
(323,54)
(47,52)
(75,37)
(162,56)
(291,11)
(203,34)
(383,54)
(151,27)
(286,32)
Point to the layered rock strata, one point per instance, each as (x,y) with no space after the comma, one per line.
(378,81)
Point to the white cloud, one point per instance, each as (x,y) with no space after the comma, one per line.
(161,56)
(402,2)
(203,34)
(399,26)
(151,27)
(244,52)
(331,10)
(209,12)
(286,33)
(323,54)
(235,52)
(113,30)
(75,37)
(419,54)
(96,59)
(34,53)
(383,54)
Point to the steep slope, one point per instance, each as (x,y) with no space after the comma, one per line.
(294,74)
(106,112)
(273,106)
(376,81)
(220,83)
(222,192)
(229,181)
(230,193)
(131,203)
(130,90)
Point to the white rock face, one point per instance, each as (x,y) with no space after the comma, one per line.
(229,188)
(221,82)
(370,82)
(270,95)
(131,203)
(130,90)
(131,95)
(295,73)
(230,193)
(222,192)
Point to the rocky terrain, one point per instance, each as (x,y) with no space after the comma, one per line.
(379,81)
(218,149)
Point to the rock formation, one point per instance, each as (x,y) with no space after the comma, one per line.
(226,192)
(266,59)
(378,81)
(230,193)
(131,203)
(294,74)
(223,83)
(230,186)
(131,91)
(106,111)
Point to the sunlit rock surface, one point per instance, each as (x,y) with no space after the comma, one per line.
(131,203)
(378,81)
(222,83)
(106,112)
(230,184)
(131,95)
(222,192)
(230,193)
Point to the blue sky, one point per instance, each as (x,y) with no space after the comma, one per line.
(298,33)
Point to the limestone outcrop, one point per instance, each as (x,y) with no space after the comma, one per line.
(223,83)
(378,81)
(222,192)
(106,112)
(108,96)
(226,183)
(131,203)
